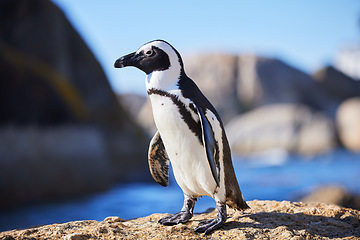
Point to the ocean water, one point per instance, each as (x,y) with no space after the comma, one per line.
(273,175)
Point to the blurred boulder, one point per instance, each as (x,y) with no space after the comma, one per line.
(333,194)
(264,81)
(338,85)
(216,76)
(236,84)
(140,110)
(291,127)
(347,60)
(55,76)
(52,163)
(62,128)
(145,118)
(348,123)
(132,103)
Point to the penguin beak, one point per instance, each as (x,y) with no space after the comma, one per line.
(127,60)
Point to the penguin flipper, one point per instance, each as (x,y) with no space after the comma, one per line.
(209,143)
(158,160)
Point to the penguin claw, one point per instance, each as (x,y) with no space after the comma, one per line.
(180,217)
(208,226)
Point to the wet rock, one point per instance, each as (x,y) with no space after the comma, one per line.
(265,220)
(348,123)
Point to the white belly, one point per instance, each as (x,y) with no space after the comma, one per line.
(190,165)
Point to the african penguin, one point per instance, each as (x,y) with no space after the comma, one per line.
(190,135)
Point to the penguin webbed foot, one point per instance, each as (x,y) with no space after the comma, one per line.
(207,226)
(180,217)
(183,216)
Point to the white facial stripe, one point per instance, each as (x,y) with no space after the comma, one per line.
(144,48)
(166,79)
(163,46)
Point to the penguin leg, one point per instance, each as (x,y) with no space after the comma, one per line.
(207,226)
(183,216)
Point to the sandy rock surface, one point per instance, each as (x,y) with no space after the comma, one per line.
(265,220)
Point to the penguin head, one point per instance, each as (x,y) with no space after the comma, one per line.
(157,55)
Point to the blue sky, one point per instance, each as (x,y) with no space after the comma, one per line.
(306,34)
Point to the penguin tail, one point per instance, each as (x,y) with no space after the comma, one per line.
(243,205)
(238,203)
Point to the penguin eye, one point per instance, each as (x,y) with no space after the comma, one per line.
(149,52)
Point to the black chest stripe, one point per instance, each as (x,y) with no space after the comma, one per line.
(194,126)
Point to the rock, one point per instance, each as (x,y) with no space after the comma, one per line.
(265,220)
(235,84)
(333,194)
(216,76)
(63,131)
(145,118)
(77,236)
(56,75)
(113,219)
(316,135)
(264,81)
(133,103)
(347,59)
(348,124)
(51,163)
(291,127)
(338,85)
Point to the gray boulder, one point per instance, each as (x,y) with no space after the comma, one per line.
(133,103)
(47,163)
(338,85)
(63,131)
(290,127)
(236,84)
(216,76)
(264,81)
(145,118)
